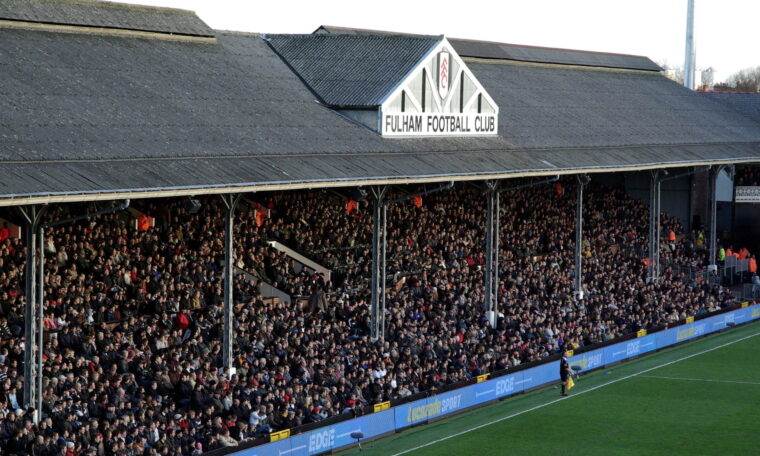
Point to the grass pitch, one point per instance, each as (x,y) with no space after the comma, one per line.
(701,398)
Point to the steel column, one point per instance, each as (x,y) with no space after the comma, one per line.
(379,249)
(492,256)
(230,202)
(40,319)
(34,235)
(32,315)
(495,279)
(383,268)
(493,220)
(578,282)
(379,239)
(653,268)
(714,173)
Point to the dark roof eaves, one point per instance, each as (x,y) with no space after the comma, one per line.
(350,180)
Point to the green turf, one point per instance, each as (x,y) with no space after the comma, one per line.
(618,411)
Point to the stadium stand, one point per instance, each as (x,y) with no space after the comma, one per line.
(134,315)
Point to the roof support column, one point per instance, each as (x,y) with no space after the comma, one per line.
(230,203)
(653,264)
(40,317)
(583,180)
(379,250)
(655,211)
(493,219)
(492,253)
(653,268)
(379,239)
(32,370)
(34,232)
(712,213)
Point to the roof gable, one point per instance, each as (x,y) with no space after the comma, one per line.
(351,71)
(440,96)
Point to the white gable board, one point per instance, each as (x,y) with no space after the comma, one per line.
(439,97)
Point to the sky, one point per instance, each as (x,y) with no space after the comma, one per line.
(727,32)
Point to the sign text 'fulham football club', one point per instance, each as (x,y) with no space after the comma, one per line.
(440,97)
(431,124)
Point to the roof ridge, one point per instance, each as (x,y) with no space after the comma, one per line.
(99,14)
(122,5)
(357,36)
(548,48)
(360,31)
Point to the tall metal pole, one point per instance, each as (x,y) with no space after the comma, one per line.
(379,250)
(378,264)
(714,173)
(30,309)
(658,228)
(383,267)
(495,279)
(492,260)
(34,313)
(653,269)
(689,60)
(40,318)
(493,220)
(489,248)
(230,202)
(578,282)
(652,230)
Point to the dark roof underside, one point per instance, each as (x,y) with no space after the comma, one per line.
(352,71)
(103,14)
(504,51)
(747,104)
(112,114)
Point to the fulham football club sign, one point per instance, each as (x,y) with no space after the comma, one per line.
(440,97)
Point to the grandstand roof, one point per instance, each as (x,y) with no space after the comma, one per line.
(85,115)
(746,103)
(93,13)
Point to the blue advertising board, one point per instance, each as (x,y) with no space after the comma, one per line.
(339,435)
(497,387)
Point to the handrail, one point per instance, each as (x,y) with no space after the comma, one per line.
(277,245)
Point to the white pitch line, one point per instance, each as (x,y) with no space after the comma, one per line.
(701,380)
(572,396)
(292,449)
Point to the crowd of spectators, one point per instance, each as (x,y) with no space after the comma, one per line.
(747,176)
(133,356)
